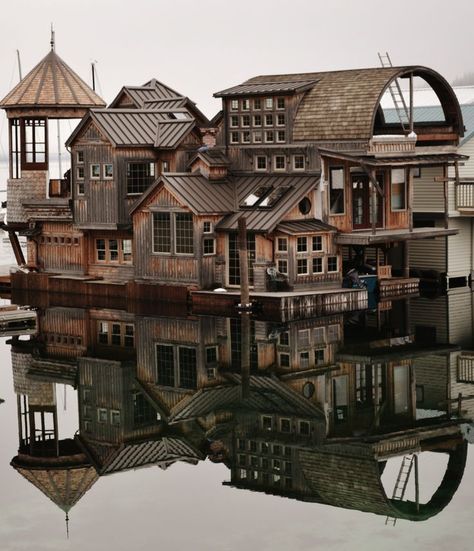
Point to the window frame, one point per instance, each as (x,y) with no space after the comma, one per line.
(276,158)
(331,170)
(295,168)
(91,170)
(173,238)
(151,177)
(404,188)
(104,171)
(257,168)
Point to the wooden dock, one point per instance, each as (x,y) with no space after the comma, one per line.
(283,306)
(399,286)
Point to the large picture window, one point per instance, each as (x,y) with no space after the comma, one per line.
(398,189)
(176,366)
(173,233)
(336,190)
(139,177)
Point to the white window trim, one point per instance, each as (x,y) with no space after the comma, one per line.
(322,265)
(78,161)
(321,250)
(267,140)
(278,265)
(211,227)
(90,171)
(232,137)
(271,124)
(294,163)
(277,132)
(306,249)
(77,173)
(242,103)
(261,137)
(255,124)
(103,171)
(265,104)
(284,104)
(278,245)
(275,163)
(231,125)
(298,274)
(243,140)
(214,246)
(232,101)
(337,264)
(279,124)
(256,163)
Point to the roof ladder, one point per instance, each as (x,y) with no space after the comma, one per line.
(401,483)
(396,93)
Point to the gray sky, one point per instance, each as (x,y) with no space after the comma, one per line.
(200,47)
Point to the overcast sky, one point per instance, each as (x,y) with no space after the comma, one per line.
(200,47)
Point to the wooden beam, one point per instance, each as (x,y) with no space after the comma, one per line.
(19,257)
(411,104)
(373,206)
(371,174)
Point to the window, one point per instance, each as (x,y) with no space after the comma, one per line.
(304,205)
(281,119)
(279,162)
(282,266)
(117,251)
(234,120)
(280,136)
(80,156)
(257,103)
(282,244)
(165,364)
(187,367)
(143,412)
(280,103)
(304,359)
(245,120)
(139,177)
(308,389)
(319,335)
(234,137)
(245,105)
(261,163)
(257,120)
(180,226)
(285,425)
(211,355)
(209,246)
(304,339)
(319,356)
(115,333)
(302,244)
(302,266)
(115,417)
(333,333)
(80,173)
(16,147)
(207,227)
(269,136)
(267,422)
(184,233)
(34,142)
(298,162)
(176,366)
(268,120)
(332,264)
(234,104)
(246,137)
(268,103)
(108,171)
(165,166)
(94,171)
(257,137)
(317,265)
(305,428)
(398,189)
(284,338)
(102,415)
(336,190)
(317,243)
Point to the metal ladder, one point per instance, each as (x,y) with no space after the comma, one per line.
(396,93)
(401,483)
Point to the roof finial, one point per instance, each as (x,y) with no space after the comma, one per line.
(67,525)
(52,38)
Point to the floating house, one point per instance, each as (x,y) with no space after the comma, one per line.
(156,191)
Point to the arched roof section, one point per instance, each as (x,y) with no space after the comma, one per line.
(352,480)
(342,105)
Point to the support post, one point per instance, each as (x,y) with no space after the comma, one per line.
(244,264)
(373,202)
(406,259)
(417,484)
(245,354)
(411,104)
(410,199)
(19,257)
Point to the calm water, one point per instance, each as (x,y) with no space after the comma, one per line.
(156,414)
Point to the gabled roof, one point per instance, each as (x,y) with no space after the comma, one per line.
(193,191)
(265,219)
(171,103)
(155,91)
(52,84)
(212,157)
(139,127)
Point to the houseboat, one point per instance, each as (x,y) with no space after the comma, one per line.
(155,191)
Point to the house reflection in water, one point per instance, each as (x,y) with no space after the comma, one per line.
(324,404)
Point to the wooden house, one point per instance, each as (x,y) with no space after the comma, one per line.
(322,179)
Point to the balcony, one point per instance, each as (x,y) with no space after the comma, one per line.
(465,196)
(392,145)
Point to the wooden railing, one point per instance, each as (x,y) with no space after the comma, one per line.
(465,195)
(465,369)
(384,272)
(386,145)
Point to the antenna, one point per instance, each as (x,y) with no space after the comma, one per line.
(67,525)
(93,74)
(52,42)
(19,63)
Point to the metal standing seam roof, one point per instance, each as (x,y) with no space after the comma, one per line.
(263,219)
(165,450)
(170,104)
(150,91)
(297,227)
(199,194)
(170,133)
(52,83)
(266,88)
(212,156)
(266,395)
(341,105)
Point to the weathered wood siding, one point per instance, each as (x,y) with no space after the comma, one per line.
(428,195)
(64,332)
(60,248)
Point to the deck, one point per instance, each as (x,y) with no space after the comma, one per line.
(15,320)
(283,306)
